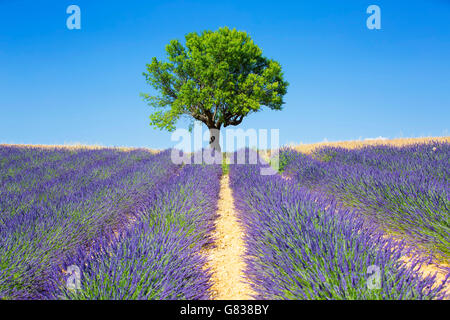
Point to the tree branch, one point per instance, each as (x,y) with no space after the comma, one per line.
(234,121)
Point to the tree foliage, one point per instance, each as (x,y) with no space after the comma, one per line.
(217,77)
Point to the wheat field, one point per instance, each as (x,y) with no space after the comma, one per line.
(353,144)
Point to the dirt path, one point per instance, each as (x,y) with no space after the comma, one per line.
(429,269)
(225,258)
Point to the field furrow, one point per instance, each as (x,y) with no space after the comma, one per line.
(226,255)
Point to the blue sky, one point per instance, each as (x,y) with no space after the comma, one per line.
(346,81)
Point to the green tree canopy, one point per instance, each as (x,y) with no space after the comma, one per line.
(217,77)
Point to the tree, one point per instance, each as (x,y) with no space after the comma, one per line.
(217,78)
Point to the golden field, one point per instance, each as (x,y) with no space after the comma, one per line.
(308,148)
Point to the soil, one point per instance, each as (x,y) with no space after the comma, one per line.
(226,256)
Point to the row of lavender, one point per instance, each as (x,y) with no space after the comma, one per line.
(55,202)
(406,190)
(159,256)
(301,245)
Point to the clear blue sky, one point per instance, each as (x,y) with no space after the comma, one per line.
(346,81)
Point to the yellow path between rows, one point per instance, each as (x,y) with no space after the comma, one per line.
(225,258)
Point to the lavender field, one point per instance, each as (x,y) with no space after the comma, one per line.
(137,226)
(112,213)
(403,190)
(305,242)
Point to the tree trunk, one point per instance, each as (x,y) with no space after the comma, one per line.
(214,139)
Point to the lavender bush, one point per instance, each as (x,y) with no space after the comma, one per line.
(54,202)
(158,258)
(302,246)
(405,189)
